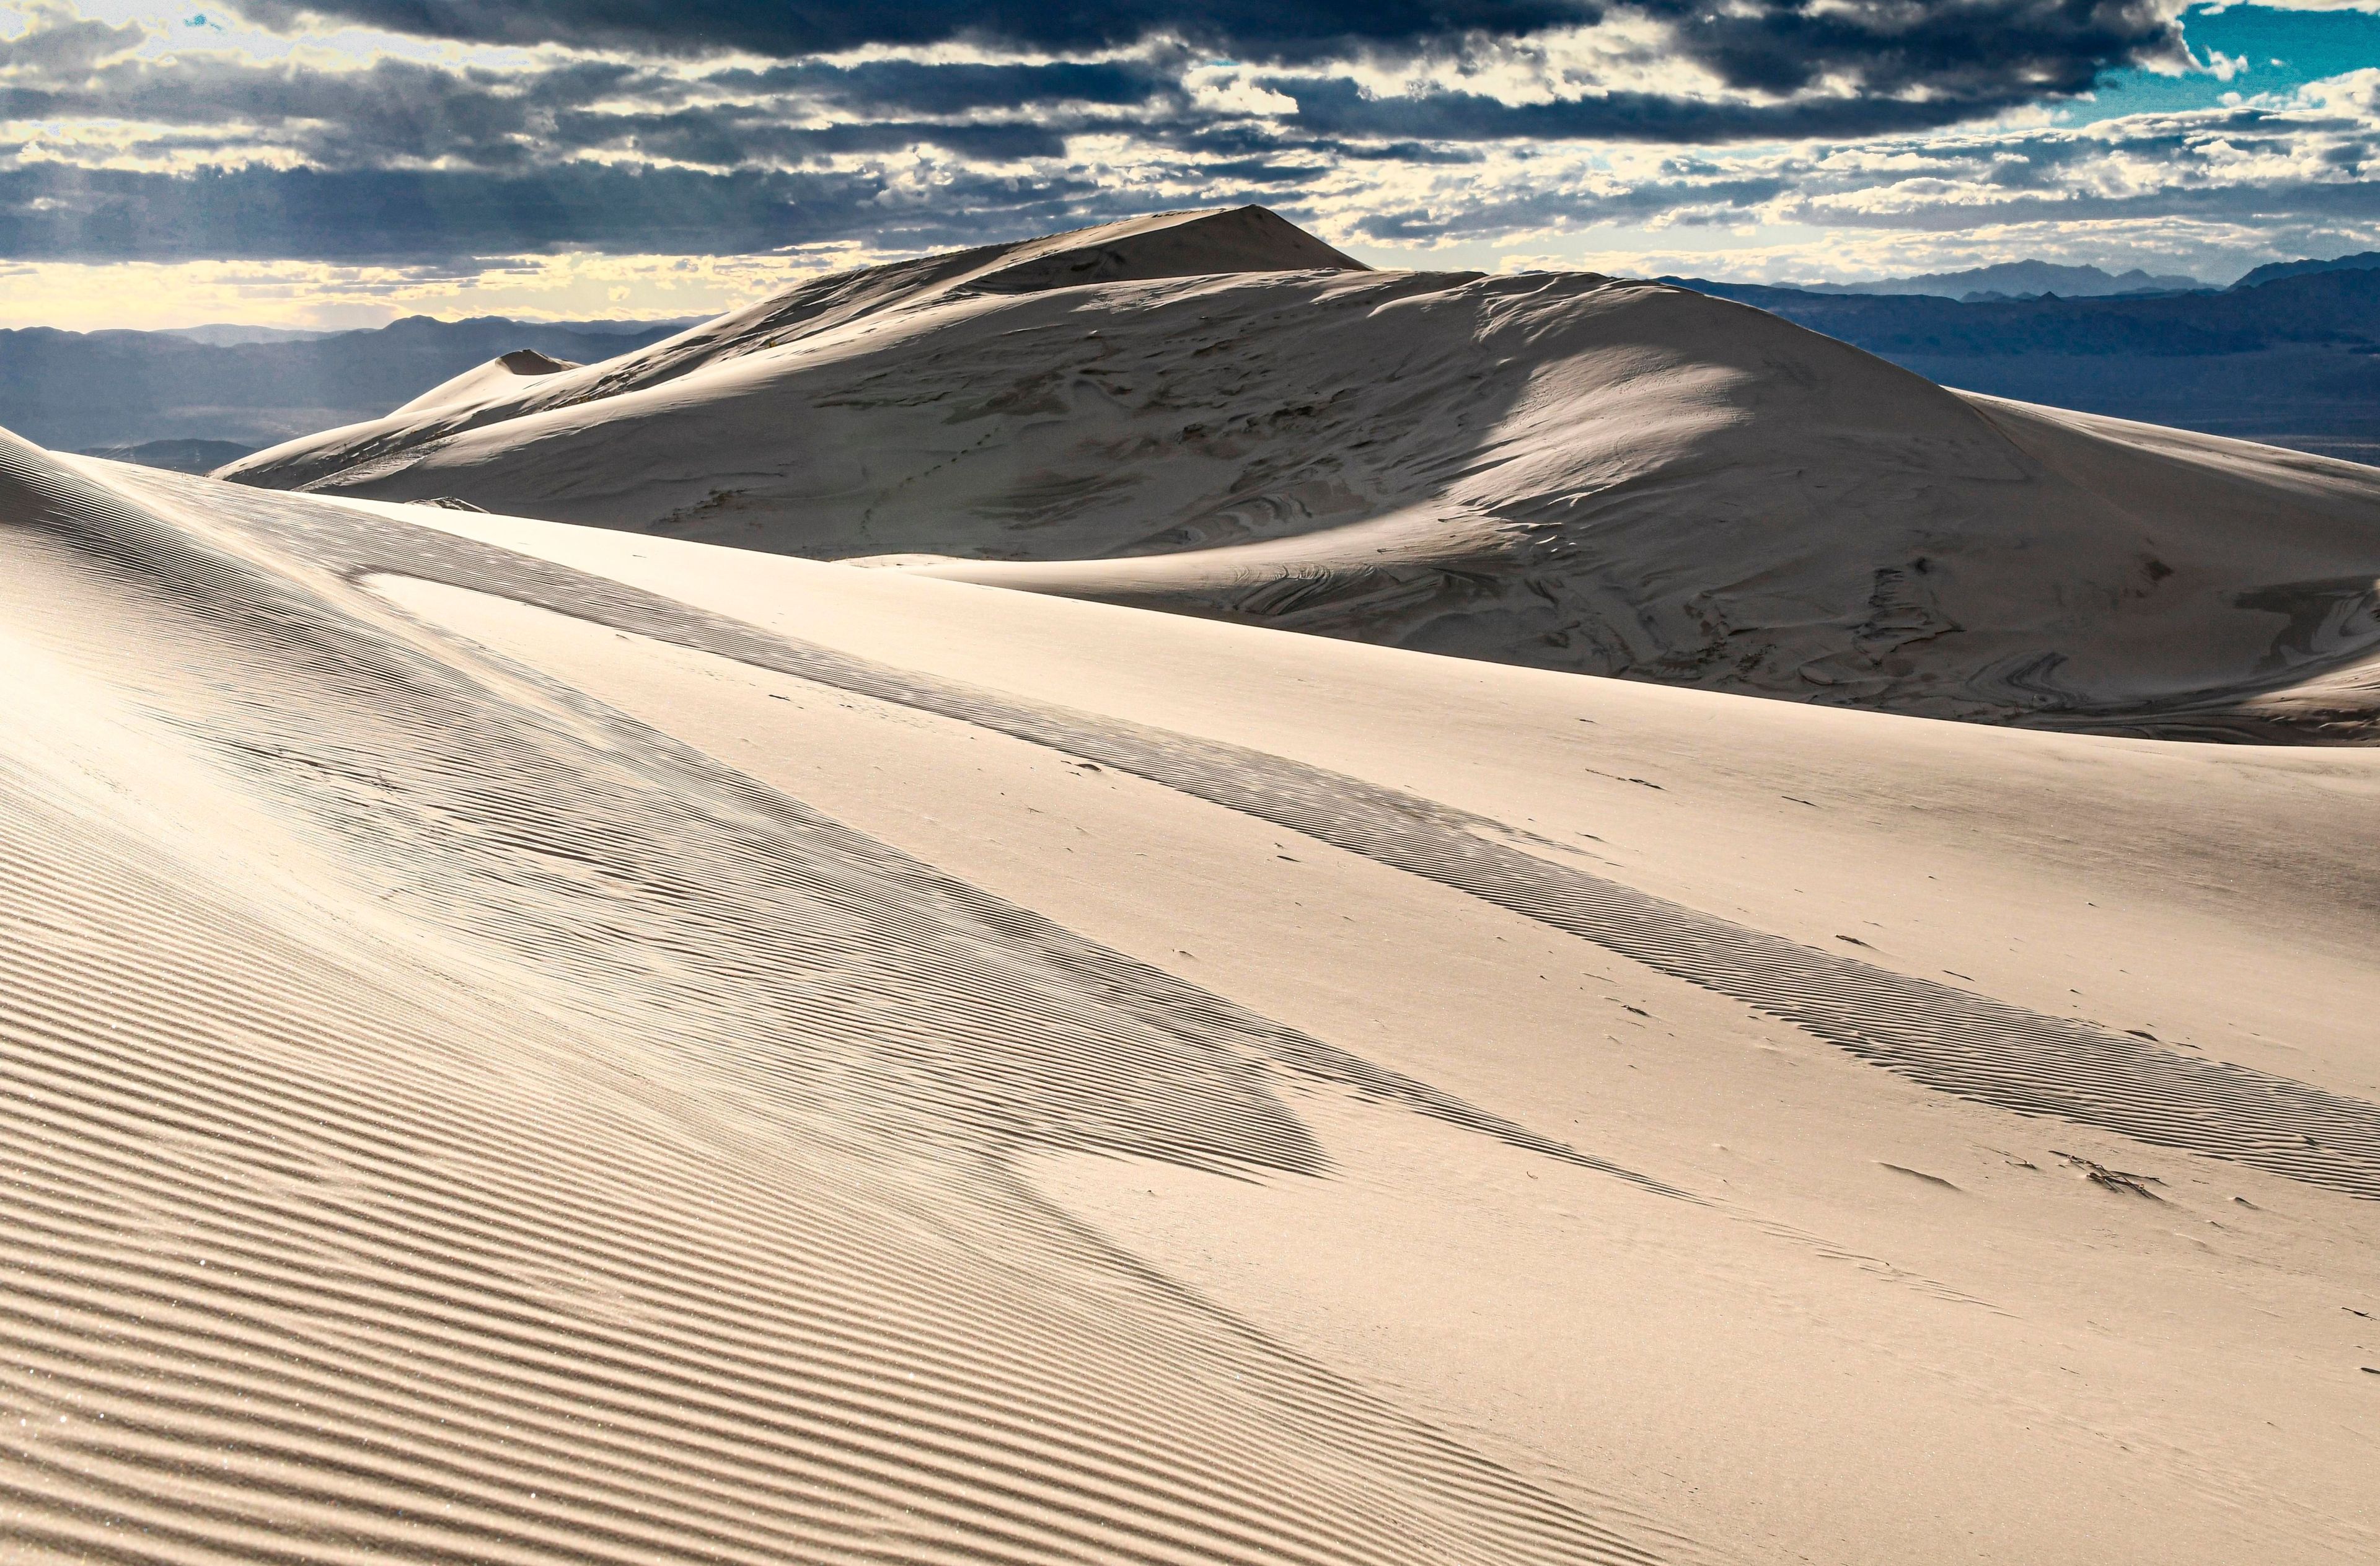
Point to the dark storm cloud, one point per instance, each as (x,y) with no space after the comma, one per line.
(1254,29)
(915,87)
(734,136)
(653,150)
(1261,174)
(1337,107)
(62,43)
(50,211)
(1962,55)
(387,112)
(2048,179)
(1965,51)
(399,111)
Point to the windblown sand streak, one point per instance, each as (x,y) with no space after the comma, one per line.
(586,1153)
(1946,1038)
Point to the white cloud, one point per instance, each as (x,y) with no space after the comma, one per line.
(121,86)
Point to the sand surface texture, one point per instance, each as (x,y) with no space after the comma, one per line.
(536,1043)
(1216,413)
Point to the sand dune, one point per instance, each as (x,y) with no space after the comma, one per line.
(537,1043)
(501,377)
(1214,413)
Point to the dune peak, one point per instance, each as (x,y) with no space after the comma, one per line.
(529,362)
(1185,244)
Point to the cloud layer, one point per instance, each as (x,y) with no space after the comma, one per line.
(1956,52)
(435,134)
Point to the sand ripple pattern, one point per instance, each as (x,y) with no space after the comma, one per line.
(1950,1039)
(444,1120)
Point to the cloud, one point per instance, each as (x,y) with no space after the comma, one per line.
(1951,51)
(1252,28)
(920,87)
(2304,162)
(1685,71)
(1337,107)
(712,130)
(1664,71)
(50,212)
(58,40)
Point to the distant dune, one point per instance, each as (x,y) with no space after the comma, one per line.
(1213,412)
(180,456)
(252,386)
(531,1043)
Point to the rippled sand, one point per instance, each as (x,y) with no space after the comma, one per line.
(530,1043)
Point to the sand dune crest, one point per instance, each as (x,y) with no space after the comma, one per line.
(1218,414)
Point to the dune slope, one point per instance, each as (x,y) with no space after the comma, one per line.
(1212,412)
(466,1123)
(538,1043)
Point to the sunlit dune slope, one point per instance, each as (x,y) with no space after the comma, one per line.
(532,1043)
(1214,413)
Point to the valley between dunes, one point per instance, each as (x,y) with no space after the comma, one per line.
(542,1043)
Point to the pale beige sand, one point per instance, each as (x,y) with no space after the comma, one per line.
(1217,414)
(536,1043)
(505,376)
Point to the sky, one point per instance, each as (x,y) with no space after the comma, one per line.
(341,162)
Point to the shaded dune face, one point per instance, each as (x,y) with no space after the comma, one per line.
(1564,471)
(448,1119)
